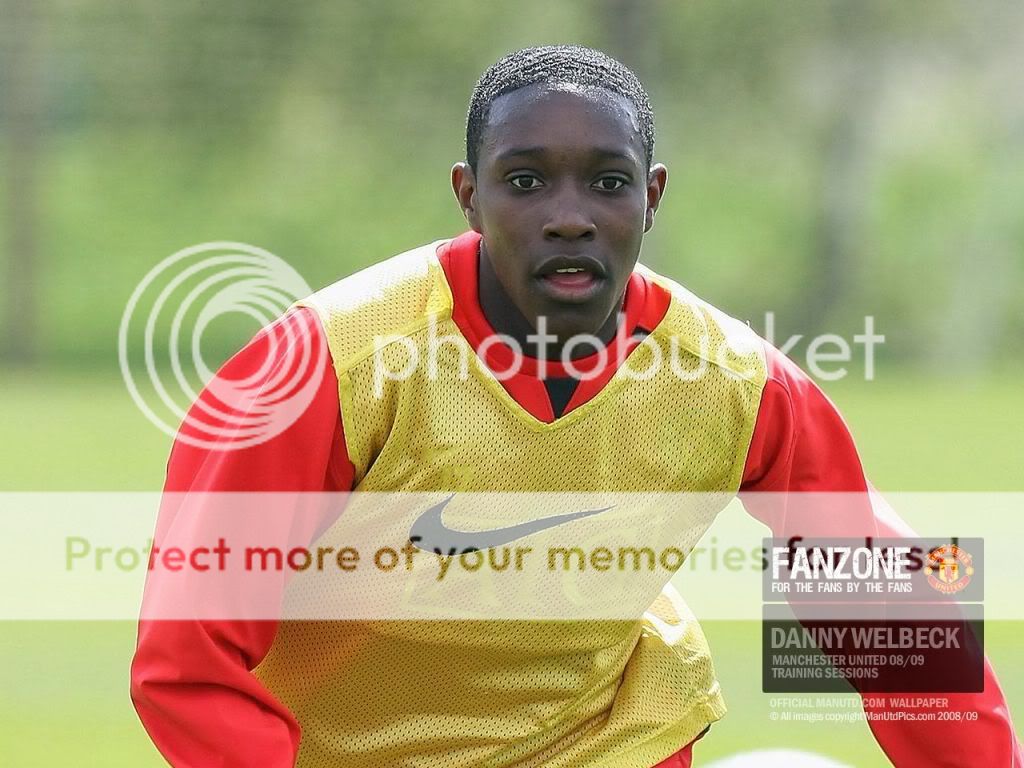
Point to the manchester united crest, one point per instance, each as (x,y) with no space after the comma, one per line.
(949,568)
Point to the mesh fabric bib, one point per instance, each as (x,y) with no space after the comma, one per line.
(454,694)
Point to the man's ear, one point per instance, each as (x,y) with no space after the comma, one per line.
(464,186)
(657,178)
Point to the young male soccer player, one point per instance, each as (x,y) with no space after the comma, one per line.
(559,189)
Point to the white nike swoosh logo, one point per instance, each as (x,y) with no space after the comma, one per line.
(430,534)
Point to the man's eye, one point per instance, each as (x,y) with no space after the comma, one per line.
(524,181)
(610,183)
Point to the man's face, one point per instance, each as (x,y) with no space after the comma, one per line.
(562,198)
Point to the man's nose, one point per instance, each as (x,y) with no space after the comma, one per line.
(568,218)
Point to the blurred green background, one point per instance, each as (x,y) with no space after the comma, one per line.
(827,160)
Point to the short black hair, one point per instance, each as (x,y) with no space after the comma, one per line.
(555,64)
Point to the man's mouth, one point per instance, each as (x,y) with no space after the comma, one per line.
(571,279)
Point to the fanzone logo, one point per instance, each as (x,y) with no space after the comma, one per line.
(949,568)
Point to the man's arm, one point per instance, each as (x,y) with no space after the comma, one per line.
(802,445)
(191,681)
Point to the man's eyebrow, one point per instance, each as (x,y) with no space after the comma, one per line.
(521,152)
(613,154)
(601,153)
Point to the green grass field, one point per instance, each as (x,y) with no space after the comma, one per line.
(66,684)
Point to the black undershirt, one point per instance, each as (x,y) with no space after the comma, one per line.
(560,391)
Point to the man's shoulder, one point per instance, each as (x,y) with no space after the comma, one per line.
(390,298)
(707,332)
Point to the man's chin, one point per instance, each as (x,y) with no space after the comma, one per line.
(577,325)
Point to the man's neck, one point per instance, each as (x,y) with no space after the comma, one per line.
(506,319)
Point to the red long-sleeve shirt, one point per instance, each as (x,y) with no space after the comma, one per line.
(191,681)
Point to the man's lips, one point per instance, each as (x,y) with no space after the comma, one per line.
(571,279)
(573,287)
(563,263)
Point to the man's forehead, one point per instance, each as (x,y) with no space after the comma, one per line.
(522,118)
